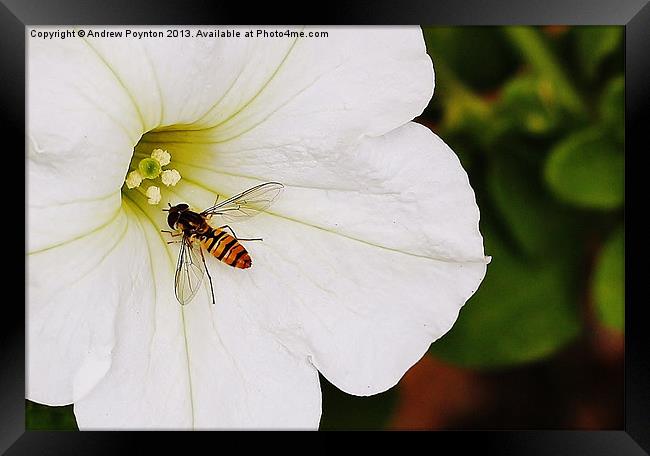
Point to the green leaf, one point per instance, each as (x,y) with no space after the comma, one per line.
(531,104)
(536,222)
(609,282)
(595,43)
(523,311)
(536,50)
(344,411)
(43,417)
(612,107)
(587,169)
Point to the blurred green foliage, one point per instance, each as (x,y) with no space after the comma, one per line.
(586,168)
(40,417)
(594,44)
(543,147)
(536,116)
(344,411)
(609,282)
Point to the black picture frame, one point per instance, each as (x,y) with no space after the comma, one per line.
(15,15)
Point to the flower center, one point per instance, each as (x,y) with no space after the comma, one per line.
(149,168)
(147,173)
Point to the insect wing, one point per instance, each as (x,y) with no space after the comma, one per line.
(189,271)
(246,204)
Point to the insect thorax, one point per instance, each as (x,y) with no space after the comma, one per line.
(192,223)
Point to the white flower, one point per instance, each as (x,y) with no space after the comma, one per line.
(367,257)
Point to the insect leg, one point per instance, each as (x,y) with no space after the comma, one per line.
(235,236)
(171,233)
(208,273)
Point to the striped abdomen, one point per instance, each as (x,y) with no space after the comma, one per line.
(225,248)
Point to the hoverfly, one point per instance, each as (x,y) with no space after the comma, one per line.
(197,234)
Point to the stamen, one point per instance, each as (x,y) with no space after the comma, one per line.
(153,195)
(170,177)
(162,156)
(151,168)
(133,179)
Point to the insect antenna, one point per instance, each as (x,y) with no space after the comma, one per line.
(170,206)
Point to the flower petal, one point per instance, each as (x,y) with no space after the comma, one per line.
(176,82)
(356,81)
(197,366)
(82,127)
(74,291)
(371,262)
(332,90)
